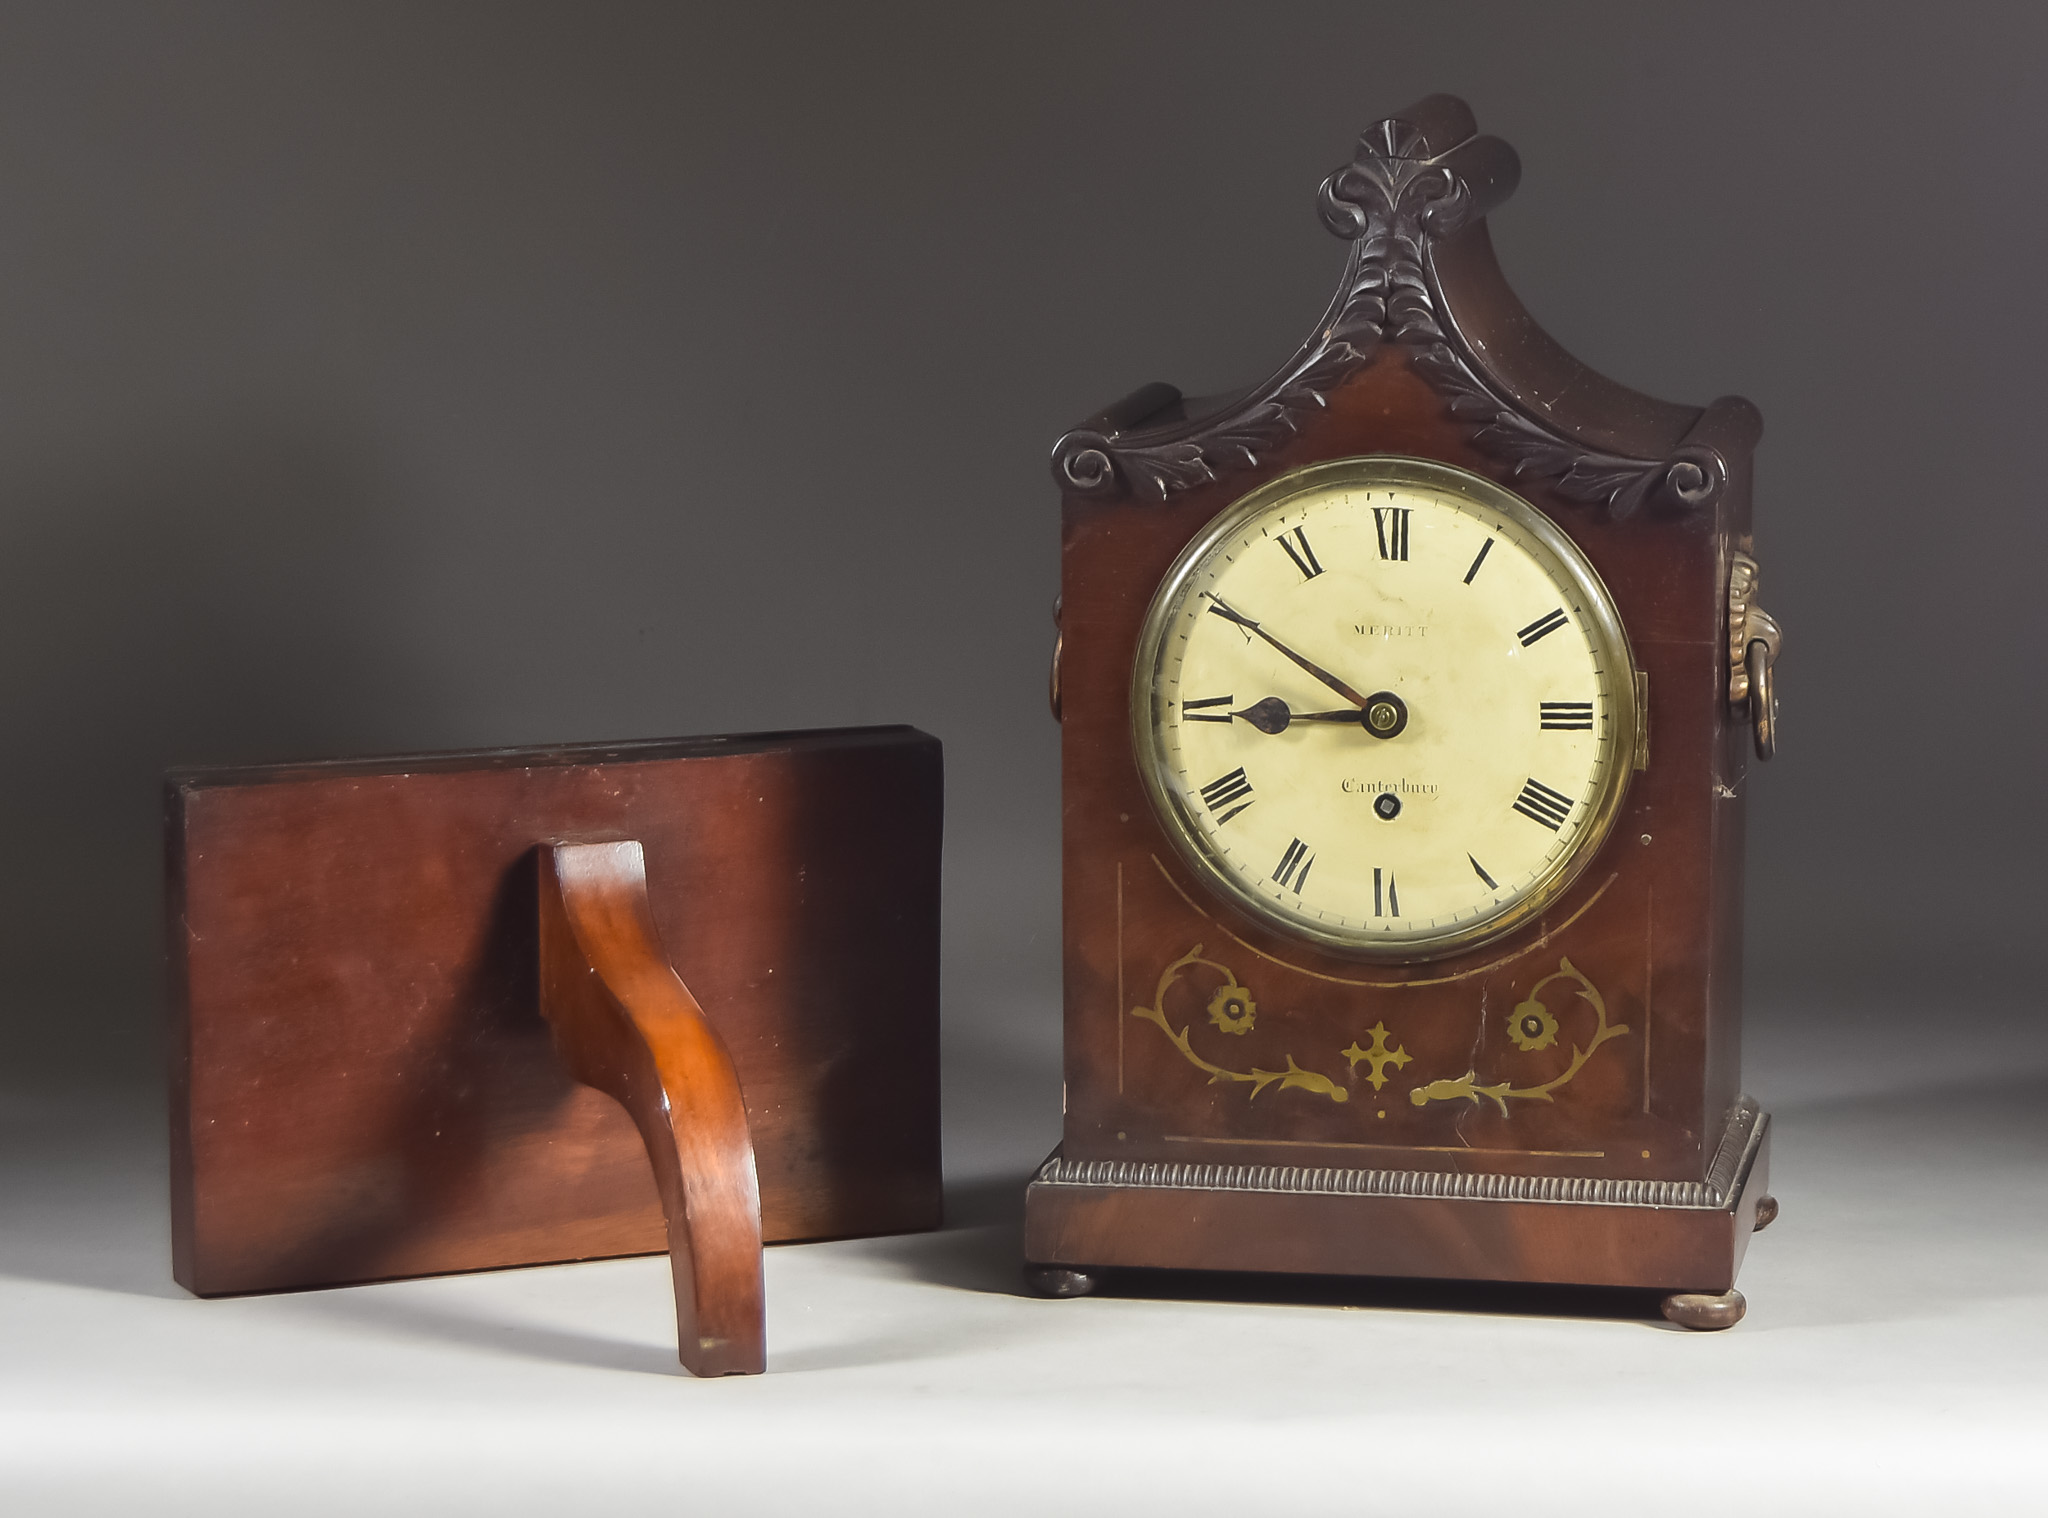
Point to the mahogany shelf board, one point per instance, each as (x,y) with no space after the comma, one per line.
(362,1086)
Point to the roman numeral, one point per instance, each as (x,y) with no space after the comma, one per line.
(1484,549)
(1566,716)
(1540,803)
(1480,870)
(1386,900)
(1222,791)
(1298,550)
(1292,873)
(1191,711)
(1391,523)
(1542,627)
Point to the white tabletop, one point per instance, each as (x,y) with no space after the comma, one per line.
(1895,1356)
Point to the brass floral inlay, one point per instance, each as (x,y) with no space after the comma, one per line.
(1532,1026)
(1231,1008)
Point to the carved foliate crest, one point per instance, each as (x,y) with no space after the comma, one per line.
(1394,202)
(1389,200)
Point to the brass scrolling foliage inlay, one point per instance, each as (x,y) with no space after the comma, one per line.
(1533,1026)
(1232,1010)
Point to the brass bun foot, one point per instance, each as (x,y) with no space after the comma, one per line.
(1766,1212)
(1704,1309)
(1060,1280)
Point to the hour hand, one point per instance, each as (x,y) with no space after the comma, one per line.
(1228,614)
(1272,715)
(1385,715)
(1268,716)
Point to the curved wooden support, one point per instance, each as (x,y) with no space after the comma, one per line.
(626,1024)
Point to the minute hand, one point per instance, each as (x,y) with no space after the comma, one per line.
(1216,605)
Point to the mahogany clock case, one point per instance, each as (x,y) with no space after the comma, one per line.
(363,1086)
(1184,1148)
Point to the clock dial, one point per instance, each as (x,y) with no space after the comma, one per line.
(1385,704)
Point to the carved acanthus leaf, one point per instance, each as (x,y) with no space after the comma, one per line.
(1690,477)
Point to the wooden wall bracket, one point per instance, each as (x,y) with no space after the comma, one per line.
(627,1024)
(420,1004)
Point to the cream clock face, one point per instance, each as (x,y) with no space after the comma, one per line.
(1385,705)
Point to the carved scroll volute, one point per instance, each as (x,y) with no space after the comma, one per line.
(627,1025)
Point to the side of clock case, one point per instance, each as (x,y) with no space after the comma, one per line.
(1195,1036)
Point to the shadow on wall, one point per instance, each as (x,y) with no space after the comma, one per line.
(219,600)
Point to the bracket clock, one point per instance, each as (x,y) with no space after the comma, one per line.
(1407,700)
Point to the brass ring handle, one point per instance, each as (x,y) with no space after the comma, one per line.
(1763,699)
(1754,640)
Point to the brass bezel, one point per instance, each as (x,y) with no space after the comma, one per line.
(1377,470)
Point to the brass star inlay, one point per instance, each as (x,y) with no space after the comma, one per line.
(1381,1054)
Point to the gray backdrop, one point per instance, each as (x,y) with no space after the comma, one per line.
(399,376)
